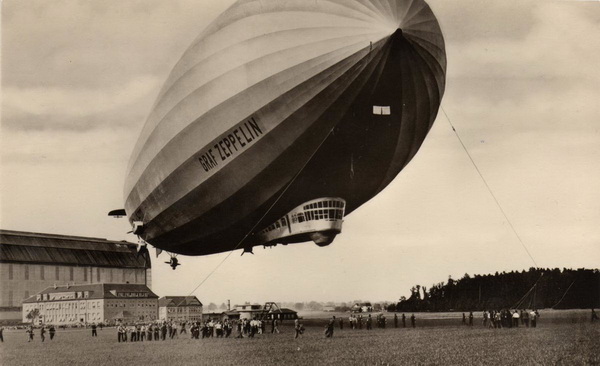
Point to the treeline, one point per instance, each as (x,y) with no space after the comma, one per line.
(537,288)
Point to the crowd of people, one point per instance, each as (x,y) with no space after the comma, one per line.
(30,331)
(162,330)
(248,328)
(508,319)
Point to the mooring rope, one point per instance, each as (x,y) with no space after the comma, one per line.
(519,303)
(565,294)
(488,186)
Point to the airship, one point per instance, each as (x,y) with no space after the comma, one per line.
(281,118)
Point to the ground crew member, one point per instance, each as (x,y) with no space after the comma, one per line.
(51,331)
(121,335)
(369,321)
(94,332)
(163,331)
(298,328)
(471,319)
(403,321)
(413,321)
(43,333)
(515,318)
(329,328)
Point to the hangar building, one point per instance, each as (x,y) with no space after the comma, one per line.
(32,262)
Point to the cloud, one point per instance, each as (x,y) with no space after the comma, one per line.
(72,43)
(77,102)
(561,45)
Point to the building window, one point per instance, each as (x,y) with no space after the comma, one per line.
(10,271)
(98,274)
(110,273)
(136,275)
(42,273)
(10,298)
(26,268)
(85,275)
(123,275)
(56,273)
(70,273)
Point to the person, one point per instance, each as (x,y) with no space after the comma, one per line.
(464,320)
(175,331)
(485,318)
(298,328)
(369,322)
(594,315)
(1,335)
(94,332)
(395,320)
(515,318)
(533,318)
(183,326)
(170,330)
(276,326)
(341,323)
(51,331)
(156,331)
(525,318)
(121,333)
(471,319)
(219,329)
(521,317)
(150,330)
(413,321)
(239,329)
(329,328)
(29,332)
(142,332)
(163,331)
(43,333)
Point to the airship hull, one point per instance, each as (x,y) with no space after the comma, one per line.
(209,171)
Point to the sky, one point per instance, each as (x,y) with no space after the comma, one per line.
(523,89)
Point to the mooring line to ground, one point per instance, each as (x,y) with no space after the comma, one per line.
(565,294)
(488,187)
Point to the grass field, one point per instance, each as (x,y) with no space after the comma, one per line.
(561,340)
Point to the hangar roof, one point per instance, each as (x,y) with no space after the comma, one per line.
(38,248)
